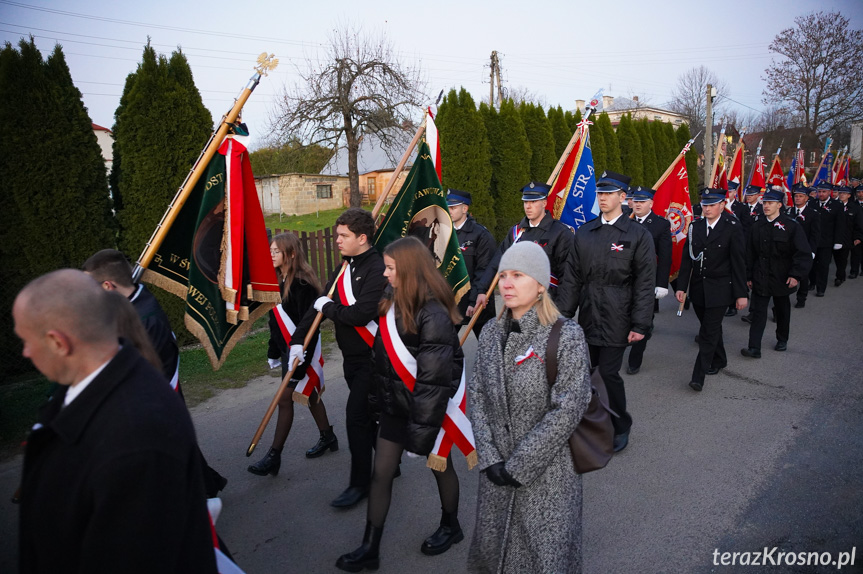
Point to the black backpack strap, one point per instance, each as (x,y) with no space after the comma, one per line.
(551,351)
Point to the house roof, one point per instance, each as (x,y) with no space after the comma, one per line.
(371,155)
(98,128)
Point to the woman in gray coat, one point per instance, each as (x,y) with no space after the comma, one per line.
(529,503)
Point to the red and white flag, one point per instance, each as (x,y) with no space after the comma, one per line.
(672,202)
(434,142)
(346,296)
(777,178)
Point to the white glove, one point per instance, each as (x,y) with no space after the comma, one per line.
(660,292)
(813,256)
(837,246)
(320,302)
(274,363)
(295,354)
(413,454)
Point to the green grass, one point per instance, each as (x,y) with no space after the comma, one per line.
(309,221)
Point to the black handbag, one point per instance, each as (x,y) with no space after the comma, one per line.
(592,443)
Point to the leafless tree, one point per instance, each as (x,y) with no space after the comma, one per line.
(522,94)
(359,86)
(816,71)
(689,96)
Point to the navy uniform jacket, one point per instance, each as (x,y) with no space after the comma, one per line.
(660,230)
(775,251)
(720,277)
(849,224)
(112,482)
(478,250)
(828,213)
(810,221)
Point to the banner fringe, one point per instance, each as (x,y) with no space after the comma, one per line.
(243,314)
(300,398)
(265,296)
(232,316)
(173,287)
(436,462)
(472,460)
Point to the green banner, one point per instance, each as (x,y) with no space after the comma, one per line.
(420,210)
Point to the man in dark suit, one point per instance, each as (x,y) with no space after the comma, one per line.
(660,230)
(713,268)
(742,213)
(849,232)
(112,480)
(806,216)
(828,213)
(857,250)
(778,255)
(752,196)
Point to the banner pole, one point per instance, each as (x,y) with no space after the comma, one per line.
(379,204)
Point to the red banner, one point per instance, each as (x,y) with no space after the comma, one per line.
(672,202)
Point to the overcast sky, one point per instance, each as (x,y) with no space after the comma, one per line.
(559,51)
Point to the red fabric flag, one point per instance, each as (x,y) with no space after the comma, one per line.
(672,202)
(758,178)
(434,143)
(557,196)
(736,173)
(777,178)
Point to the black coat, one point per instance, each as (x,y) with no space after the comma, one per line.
(810,221)
(720,277)
(849,224)
(478,250)
(367,282)
(301,297)
(439,359)
(776,251)
(158,329)
(748,215)
(555,238)
(112,482)
(660,230)
(613,272)
(828,213)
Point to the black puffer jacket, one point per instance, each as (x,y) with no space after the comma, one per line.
(439,367)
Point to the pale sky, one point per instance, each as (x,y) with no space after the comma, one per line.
(560,51)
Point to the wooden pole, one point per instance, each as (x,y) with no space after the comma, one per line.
(719,143)
(194,175)
(670,168)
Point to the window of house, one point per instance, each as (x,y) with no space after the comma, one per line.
(811,157)
(370,186)
(657,118)
(325,191)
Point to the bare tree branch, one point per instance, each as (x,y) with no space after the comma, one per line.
(689,97)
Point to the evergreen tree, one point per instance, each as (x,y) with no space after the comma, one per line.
(683,136)
(466,153)
(541,140)
(630,150)
(610,141)
(671,138)
(662,145)
(291,157)
(58,211)
(510,163)
(648,152)
(160,128)
(573,119)
(597,146)
(560,129)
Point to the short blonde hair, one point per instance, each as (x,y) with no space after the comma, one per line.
(546,311)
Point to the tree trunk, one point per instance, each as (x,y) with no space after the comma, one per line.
(353,169)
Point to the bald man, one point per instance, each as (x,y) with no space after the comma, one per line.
(112,479)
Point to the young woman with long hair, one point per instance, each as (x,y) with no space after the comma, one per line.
(299,288)
(418,367)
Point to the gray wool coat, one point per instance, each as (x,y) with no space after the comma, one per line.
(519,419)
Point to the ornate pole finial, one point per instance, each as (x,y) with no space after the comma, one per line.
(266,63)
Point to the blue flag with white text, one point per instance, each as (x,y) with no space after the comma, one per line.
(826,171)
(581,202)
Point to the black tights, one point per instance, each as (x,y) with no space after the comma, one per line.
(387,457)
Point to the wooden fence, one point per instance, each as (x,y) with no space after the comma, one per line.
(320,248)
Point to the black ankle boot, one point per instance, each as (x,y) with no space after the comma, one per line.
(270,464)
(328,440)
(366,556)
(448,533)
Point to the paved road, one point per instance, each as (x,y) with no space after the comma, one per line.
(769,454)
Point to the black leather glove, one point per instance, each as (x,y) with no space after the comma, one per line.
(498,475)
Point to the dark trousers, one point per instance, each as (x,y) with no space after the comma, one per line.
(821,268)
(636,351)
(782,312)
(711,350)
(856,258)
(803,289)
(608,360)
(358,421)
(840,257)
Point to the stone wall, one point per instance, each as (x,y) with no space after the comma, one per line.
(298,192)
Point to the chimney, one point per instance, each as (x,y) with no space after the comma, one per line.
(635,99)
(579,105)
(607,101)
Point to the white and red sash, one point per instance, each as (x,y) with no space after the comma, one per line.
(314,379)
(456,428)
(346,296)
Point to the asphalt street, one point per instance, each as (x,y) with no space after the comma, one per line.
(767,455)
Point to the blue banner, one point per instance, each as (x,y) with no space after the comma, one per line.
(826,171)
(581,201)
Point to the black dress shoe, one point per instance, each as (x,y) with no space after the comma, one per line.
(819,293)
(328,441)
(350,497)
(711,371)
(852,276)
(838,282)
(696,386)
(632,370)
(800,304)
(620,441)
(747,318)
(781,346)
(751,353)
(731,312)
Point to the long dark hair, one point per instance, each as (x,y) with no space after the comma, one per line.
(130,328)
(418,282)
(298,266)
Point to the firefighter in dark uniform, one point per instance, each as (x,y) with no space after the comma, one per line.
(805,213)
(753,206)
(660,230)
(828,213)
(614,286)
(741,212)
(849,232)
(778,255)
(857,250)
(713,267)
(554,237)
(477,249)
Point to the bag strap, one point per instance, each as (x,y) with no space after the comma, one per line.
(551,351)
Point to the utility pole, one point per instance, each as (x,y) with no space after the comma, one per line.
(494,74)
(708,136)
(497,75)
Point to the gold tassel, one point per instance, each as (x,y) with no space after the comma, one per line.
(472,460)
(300,398)
(243,314)
(436,462)
(250,293)
(231,316)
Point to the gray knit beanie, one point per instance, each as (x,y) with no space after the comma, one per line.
(530,259)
